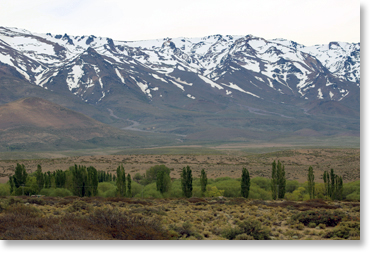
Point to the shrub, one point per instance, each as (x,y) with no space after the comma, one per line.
(291,185)
(79,205)
(105,186)
(296,195)
(150,191)
(344,230)
(4,190)
(136,188)
(213,191)
(230,187)
(110,193)
(352,190)
(319,217)
(231,233)
(23,210)
(255,229)
(312,225)
(45,192)
(259,193)
(261,182)
(60,192)
(353,196)
(244,237)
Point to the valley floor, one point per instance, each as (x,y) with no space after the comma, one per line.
(223,162)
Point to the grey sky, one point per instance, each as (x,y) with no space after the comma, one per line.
(307,22)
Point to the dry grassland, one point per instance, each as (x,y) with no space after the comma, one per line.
(345,162)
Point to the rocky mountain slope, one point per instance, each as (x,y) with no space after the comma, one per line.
(190,85)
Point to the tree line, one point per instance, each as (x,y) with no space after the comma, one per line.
(83,181)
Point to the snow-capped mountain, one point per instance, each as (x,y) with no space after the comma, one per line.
(229,66)
(220,88)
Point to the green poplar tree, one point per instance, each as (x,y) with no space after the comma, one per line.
(281,179)
(92,181)
(160,181)
(187,187)
(11,182)
(324,177)
(203,180)
(311,182)
(39,178)
(245,183)
(129,186)
(79,176)
(332,191)
(334,185)
(20,176)
(274,180)
(121,181)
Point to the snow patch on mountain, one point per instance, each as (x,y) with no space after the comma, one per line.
(236,87)
(119,75)
(213,84)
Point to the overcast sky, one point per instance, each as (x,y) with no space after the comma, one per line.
(307,22)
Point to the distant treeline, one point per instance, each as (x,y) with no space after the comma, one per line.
(156,183)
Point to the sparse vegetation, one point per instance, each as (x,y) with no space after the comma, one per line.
(82,218)
(189,209)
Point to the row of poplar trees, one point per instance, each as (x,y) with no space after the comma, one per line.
(81,180)
(186,181)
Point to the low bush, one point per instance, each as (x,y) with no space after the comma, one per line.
(249,227)
(344,230)
(328,218)
(231,233)
(79,206)
(255,229)
(261,182)
(4,190)
(60,192)
(185,230)
(258,193)
(105,186)
(244,237)
(23,210)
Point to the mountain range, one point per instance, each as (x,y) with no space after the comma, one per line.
(215,88)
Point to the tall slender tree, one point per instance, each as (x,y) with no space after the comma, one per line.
(334,185)
(129,186)
(20,175)
(39,178)
(281,179)
(121,181)
(332,175)
(203,181)
(92,181)
(274,181)
(311,182)
(11,182)
(324,177)
(245,183)
(187,187)
(160,181)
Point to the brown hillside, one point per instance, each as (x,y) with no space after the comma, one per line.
(333,108)
(37,112)
(38,123)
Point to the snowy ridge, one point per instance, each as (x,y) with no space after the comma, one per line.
(247,64)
